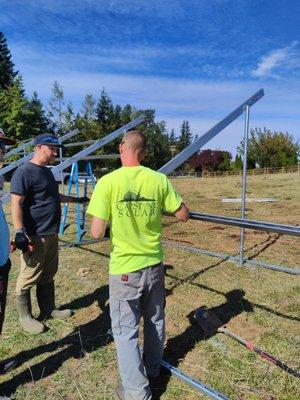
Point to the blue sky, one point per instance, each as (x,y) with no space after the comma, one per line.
(188,59)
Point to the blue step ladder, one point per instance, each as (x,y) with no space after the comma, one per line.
(76,178)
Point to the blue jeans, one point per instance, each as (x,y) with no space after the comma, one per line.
(132,296)
(4,272)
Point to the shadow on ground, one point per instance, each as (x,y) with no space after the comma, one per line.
(177,347)
(85,338)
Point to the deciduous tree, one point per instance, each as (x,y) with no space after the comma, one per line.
(211,160)
(15,113)
(268,148)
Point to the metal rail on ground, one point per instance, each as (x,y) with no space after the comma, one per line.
(230,257)
(196,384)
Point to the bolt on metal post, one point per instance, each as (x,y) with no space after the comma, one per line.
(244,184)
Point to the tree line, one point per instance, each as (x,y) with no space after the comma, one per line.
(266,149)
(22,118)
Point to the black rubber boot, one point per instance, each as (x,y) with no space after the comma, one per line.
(45,295)
(27,321)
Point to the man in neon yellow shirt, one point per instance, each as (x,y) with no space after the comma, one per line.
(132,199)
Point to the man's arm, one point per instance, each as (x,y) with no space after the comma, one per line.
(182,213)
(98,226)
(72,199)
(21,240)
(17,211)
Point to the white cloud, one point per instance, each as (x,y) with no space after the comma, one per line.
(277,58)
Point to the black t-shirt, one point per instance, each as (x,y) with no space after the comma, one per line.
(41,207)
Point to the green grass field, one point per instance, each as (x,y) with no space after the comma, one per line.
(76,359)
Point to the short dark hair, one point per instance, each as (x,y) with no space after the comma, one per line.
(139,141)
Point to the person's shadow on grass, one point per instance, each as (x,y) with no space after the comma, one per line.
(177,347)
(85,338)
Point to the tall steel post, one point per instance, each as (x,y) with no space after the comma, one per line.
(244,185)
(62,172)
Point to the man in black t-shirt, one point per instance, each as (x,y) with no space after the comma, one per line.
(36,216)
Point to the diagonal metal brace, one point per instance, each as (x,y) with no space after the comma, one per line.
(197,144)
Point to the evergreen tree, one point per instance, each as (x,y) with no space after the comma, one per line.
(117,118)
(88,107)
(172,138)
(38,121)
(238,163)
(225,164)
(158,146)
(126,114)
(68,120)
(7,73)
(56,104)
(105,112)
(185,137)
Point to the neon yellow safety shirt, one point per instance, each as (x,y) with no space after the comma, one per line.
(132,199)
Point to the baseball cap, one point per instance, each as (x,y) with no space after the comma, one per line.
(5,139)
(47,138)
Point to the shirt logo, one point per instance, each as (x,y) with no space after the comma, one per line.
(135,205)
(124,278)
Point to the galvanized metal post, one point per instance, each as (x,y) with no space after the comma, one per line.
(62,172)
(244,185)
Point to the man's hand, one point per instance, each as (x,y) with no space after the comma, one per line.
(21,241)
(82,200)
(72,199)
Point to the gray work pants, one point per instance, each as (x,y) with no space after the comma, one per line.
(132,296)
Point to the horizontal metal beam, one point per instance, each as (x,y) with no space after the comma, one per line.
(22,160)
(84,143)
(197,144)
(95,157)
(247,223)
